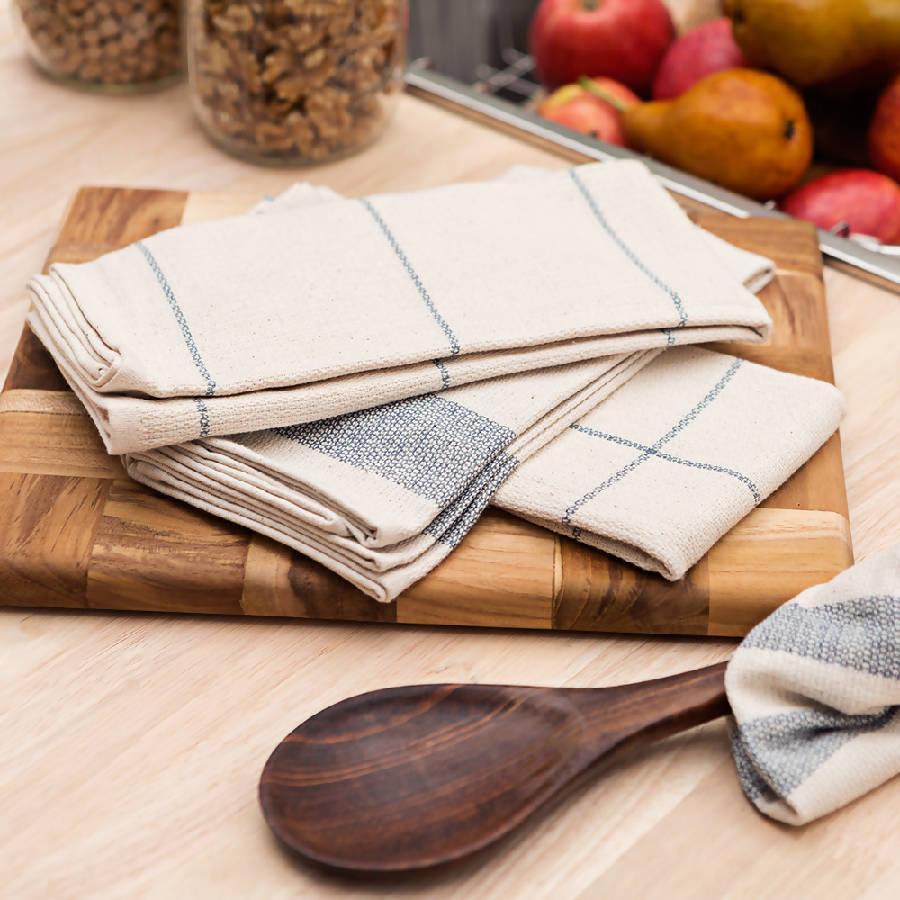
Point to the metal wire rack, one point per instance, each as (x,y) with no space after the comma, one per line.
(514,82)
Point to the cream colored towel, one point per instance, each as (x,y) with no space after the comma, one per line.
(316,310)
(381,496)
(815,690)
(661,470)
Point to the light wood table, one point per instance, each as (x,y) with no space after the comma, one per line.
(131,744)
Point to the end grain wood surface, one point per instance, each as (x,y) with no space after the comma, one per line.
(132,744)
(102,553)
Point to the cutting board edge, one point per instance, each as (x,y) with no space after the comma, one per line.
(157,209)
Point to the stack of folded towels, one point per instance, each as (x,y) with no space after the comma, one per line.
(358,379)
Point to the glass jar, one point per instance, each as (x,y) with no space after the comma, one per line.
(294,81)
(113,45)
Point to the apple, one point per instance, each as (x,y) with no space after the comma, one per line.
(701,51)
(590,116)
(884,132)
(613,92)
(868,202)
(579,109)
(620,39)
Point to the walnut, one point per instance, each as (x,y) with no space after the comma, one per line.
(294,80)
(107,42)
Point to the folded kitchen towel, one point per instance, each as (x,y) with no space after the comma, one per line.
(667,465)
(380,496)
(752,270)
(314,310)
(815,690)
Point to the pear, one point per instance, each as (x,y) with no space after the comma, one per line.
(812,42)
(745,130)
(884,132)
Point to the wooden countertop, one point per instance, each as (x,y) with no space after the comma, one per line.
(131,744)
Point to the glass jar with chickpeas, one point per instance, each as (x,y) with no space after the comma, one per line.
(114,45)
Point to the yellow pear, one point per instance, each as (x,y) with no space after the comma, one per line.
(813,42)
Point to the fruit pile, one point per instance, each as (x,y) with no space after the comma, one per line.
(740,100)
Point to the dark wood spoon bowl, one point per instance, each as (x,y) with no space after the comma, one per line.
(412,777)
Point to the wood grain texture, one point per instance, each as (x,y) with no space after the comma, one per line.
(33,366)
(507,577)
(279,582)
(153,554)
(132,744)
(448,769)
(47,433)
(45,559)
(150,554)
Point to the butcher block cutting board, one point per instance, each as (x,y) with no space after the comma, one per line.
(75,531)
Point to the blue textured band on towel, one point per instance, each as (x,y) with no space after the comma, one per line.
(452,524)
(858,634)
(430,445)
(789,747)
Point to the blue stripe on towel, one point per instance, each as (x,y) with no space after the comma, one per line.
(178,312)
(203,413)
(190,343)
(673,432)
(673,295)
(445,373)
(413,274)
(709,467)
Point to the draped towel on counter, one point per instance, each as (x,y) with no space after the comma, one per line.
(381,496)
(666,466)
(815,690)
(314,310)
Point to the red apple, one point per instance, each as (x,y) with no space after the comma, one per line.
(589,116)
(621,39)
(582,111)
(884,132)
(701,51)
(867,202)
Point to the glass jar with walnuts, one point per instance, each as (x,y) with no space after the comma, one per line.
(114,45)
(294,81)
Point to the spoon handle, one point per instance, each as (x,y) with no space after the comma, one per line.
(650,710)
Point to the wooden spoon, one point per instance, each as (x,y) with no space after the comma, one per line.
(411,777)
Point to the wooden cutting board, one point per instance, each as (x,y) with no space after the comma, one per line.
(75,531)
